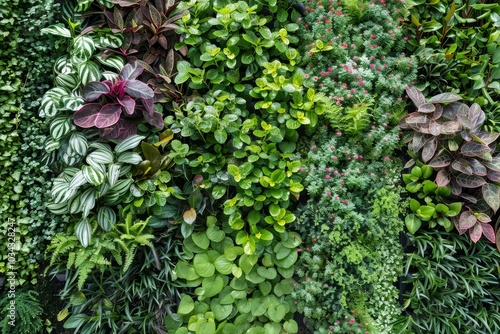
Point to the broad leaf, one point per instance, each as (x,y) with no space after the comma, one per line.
(426,108)
(429,149)
(418,142)
(128,104)
(415,95)
(412,223)
(466,220)
(442,159)
(445,98)
(189,216)
(493,176)
(474,149)
(442,178)
(462,165)
(84,232)
(450,127)
(85,117)
(138,89)
(477,167)
(489,232)
(438,112)
(491,194)
(108,115)
(94,90)
(434,128)
(470,181)
(477,117)
(131,71)
(494,164)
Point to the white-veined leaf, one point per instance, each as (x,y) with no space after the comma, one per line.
(64,66)
(69,159)
(58,208)
(78,143)
(100,157)
(84,232)
(113,174)
(121,187)
(106,218)
(130,158)
(88,201)
(51,145)
(75,204)
(93,176)
(108,75)
(101,146)
(115,62)
(89,71)
(58,30)
(110,41)
(69,81)
(59,192)
(69,173)
(103,190)
(129,143)
(125,169)
(59,127)
(72,103)
(83,5)
(83,48)
(78,180)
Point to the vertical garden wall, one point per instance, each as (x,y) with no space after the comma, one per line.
(260,166)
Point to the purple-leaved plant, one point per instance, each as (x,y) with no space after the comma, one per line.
(120,105)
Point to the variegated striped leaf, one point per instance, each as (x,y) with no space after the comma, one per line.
(69,81)
(93,176)
(51,145)
(88,201)
(69,173)
(89,71)
(129,143)
(68,10)
(83,5)
(75,204)
(106,3)
(78,180)
(58,192)
(101,146)
(106,218)
(78,143)
(112,198)
(121,187)
(108,75)
(64,66)
(113,174)
(100,157)
(130,158)
(84,232)
(83,48)
(61,179)
(103,190)
(59,127)
(58,30)
(58,208)
(51,101)
(70,193)
(109,41)
(115,62)
(125,169)
(69,159)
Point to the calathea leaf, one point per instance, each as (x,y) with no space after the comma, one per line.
(426,108)
(434,128)
(438,112)
(450,127)
(491,194)
(131,71)
(418,142)
(85,117)
(456,189)
(470,181)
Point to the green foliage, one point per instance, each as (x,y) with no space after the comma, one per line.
(351,120)
(350,224)
(457,45)
(452,285)
(25,307)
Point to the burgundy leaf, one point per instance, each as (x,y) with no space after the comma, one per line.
(121,130)
(162,40)
(467,220)
(434,128)
(442,178)
(442,159)
(128,104)
(138,89)
(487,137)
(469,198)
(426,108)
(146,66)
(477,167)
(429,149)
(156,119)
(148,105)
(155,16)
(488,232)
(416,118)
(415,95)
(438,112)
(477,117)
(470,181)
(494,176)
(476,232)
(118,89)
(108,115)
(455,188)
(474,149)
(93,90)
(494,164)
(451,127)
(85,116)
(462,165)
(118,17)
(491,195)
(131,71)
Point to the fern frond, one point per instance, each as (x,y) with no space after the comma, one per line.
(129,258)
(83,272)
(144,239)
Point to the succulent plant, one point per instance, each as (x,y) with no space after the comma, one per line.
(447,135)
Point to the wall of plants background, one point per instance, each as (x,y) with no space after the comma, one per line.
(260,166)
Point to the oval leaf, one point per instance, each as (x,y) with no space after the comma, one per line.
(189,216)
(491,194)
(429,149)
(470,181)
(476,232)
